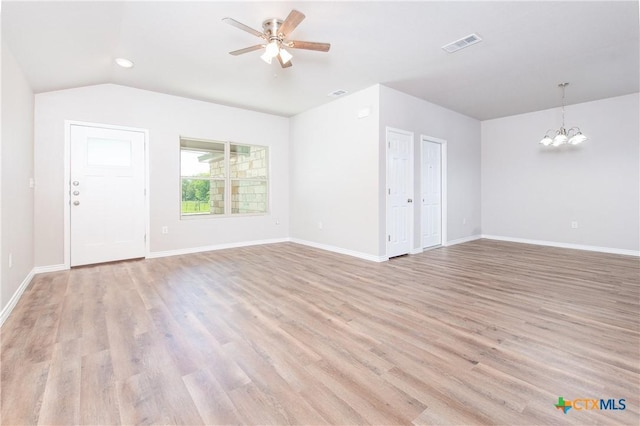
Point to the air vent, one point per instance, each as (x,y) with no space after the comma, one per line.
(462,43)
(337,93)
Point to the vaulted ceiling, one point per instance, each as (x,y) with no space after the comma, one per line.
(181,48)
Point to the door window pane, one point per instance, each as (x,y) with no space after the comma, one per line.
(108,152)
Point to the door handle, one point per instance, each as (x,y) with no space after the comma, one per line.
(76,192)
(410,200)
(75,183)
(76,203)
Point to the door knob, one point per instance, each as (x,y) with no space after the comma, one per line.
(409,200)
(76,203)
(75,183)
(76,192)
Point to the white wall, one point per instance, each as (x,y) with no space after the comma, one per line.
(333,170)
(167,118)
(16,169)
(535,192)
(462,134)
(334,174)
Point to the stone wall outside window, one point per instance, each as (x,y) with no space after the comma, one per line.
(248,171)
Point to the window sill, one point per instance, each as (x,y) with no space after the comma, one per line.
(197,216)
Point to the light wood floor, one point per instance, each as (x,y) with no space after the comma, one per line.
(479,333)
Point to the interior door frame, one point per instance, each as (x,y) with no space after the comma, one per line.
(411,185)
(67,180)
(443,189)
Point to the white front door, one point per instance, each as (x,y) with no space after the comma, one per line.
(107,194)
(399,191)
(431,194)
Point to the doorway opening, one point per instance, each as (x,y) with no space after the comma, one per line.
(433,192)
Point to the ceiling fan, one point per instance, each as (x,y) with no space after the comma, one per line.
(275,33)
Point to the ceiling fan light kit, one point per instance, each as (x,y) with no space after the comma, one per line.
(562,136)
(285,56)
(271,51)
(275,34)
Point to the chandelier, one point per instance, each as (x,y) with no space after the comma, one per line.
(562,136)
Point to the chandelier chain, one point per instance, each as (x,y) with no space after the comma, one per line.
(563,85)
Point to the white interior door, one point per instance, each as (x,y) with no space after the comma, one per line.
(399,191)
(107,194)
(431,188)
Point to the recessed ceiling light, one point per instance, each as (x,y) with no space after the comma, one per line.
(124,63)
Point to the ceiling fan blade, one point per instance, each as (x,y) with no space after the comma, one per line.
(246,50)
(284,64)
(243,27)
(291,22)
(308,45)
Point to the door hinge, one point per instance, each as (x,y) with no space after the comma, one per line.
(389,144)
(145,238)
(389,191)
(389,237)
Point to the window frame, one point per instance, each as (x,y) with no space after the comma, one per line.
(228,180)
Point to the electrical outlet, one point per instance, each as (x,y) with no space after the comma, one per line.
(464,220)
(165,229)
(574,225)
(10,260)
(277,221)
(320,226)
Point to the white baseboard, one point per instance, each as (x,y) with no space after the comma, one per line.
(50,268)
(564,245)
(191,250)
(462,240)
(433,248)
(16,296)
(416,251)
(341,250)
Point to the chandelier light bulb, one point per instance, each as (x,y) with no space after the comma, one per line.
(577,139)
(546,141)
(560,139)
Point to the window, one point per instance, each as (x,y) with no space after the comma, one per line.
(223,178)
